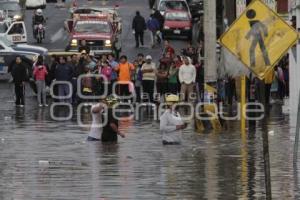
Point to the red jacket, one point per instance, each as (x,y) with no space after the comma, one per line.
(40,73)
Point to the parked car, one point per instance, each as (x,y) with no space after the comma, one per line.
(6,45)
(12,9)
(196,8)
(34,4)
(14,31)
(177,23)
(7,57)
(164,5)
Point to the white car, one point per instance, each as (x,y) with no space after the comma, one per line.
(36,4)
(13,31)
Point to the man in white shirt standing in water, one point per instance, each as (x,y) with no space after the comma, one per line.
(97,127)
(171,123)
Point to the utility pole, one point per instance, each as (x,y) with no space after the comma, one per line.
(210,28)
(294,79)
(294,71)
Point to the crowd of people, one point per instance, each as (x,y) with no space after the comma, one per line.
(143,78)
(148,81)
(140,78)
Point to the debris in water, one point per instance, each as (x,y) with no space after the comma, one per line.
(271,133)
(44,163)
(6,118)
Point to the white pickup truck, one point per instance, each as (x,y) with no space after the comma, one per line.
(14,31)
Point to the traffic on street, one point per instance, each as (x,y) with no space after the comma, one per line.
(149,99)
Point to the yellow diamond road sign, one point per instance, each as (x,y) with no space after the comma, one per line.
(259,38)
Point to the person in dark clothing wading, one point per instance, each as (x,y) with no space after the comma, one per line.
(19,74)
(138,27)
(111,129)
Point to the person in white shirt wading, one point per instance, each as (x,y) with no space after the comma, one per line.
(96,128)
(187,77)
(171,123)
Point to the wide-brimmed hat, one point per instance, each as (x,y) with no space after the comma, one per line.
(172,99)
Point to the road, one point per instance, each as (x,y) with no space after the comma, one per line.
(45,159)
(57,37)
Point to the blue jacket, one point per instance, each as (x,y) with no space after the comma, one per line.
(63,72)
(153,24)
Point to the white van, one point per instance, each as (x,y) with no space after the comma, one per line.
(35,4)
(13,31)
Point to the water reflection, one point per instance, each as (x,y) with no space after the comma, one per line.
(251,164)
(19,115)
(226,165)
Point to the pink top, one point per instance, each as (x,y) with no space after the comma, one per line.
(106,71)
(40,72)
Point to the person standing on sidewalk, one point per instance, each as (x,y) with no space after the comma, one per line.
(173,79)
(64,72)
(40,72)
(114,75)
(168,49)
(19,74)
(162,80)
(148,71)
(125,69)
(106,71)
(153,27)
(138,27)
(187,79)
(138,76)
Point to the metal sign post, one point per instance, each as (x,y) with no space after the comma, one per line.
(259,38)
(243,103)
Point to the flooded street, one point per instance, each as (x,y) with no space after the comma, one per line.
(42,159)
(45,159)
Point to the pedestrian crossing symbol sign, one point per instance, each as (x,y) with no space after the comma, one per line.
(259,38)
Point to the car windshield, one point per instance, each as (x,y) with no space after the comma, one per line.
(172,5)
(177,16)
(92,27)
(3,27)
(195,1)
(9,6)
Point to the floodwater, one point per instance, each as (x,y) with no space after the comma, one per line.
(44,159)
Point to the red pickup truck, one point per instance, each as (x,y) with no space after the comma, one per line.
(101,34)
